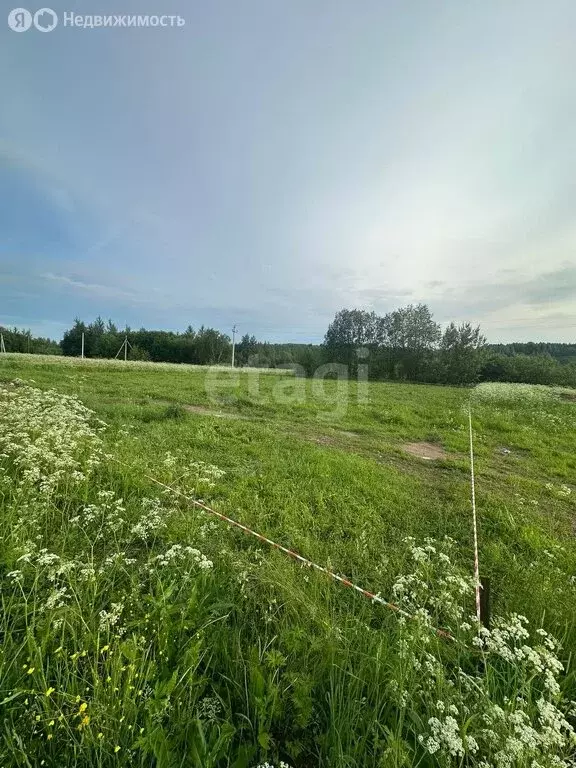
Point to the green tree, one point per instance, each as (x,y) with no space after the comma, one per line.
(245,349)
(351,330)
(461,353)
(72,340)
(411,335)
(212,346)
(137,353)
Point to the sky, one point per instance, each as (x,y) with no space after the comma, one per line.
(271,162)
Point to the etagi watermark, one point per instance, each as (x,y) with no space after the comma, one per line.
(332,388)
(45,20)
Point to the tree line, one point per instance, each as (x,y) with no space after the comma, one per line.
(206,346)
(564,353)
(17,340)
(405,344)
(409,344)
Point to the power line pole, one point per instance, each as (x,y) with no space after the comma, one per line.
(125,345)
(82,346)
(2,345)
(234,329)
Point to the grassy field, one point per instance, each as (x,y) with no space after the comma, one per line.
(137,630)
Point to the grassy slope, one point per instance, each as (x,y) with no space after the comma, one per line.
(336,485)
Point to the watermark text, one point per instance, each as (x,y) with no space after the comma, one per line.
(46,19)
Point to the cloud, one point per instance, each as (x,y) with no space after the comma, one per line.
(377,159)
(551,287)
(378,296)
(104,291)
(514,307)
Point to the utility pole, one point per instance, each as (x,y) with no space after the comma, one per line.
(82,345)
(2,345)
(234,329)
(125,345)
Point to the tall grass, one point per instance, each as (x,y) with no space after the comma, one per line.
(137,632)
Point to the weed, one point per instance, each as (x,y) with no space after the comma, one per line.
(138,631)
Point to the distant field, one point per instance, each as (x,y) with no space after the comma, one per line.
(252,659)
(114,364)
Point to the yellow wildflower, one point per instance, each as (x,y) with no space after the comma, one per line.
(84,722)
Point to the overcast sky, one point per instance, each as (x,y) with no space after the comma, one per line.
(273,161)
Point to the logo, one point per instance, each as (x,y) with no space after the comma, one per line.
(20,20)
(45,20)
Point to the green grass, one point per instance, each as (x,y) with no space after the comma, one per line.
(257,659)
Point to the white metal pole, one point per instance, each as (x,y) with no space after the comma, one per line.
(478,585)
(2,345)
(82,346)
(126,349)
(233,344)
